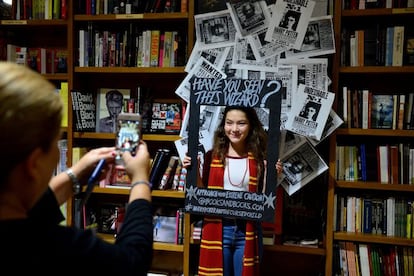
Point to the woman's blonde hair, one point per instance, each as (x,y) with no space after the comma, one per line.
(30,114)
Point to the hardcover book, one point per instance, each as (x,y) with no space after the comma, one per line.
(83,105)
(109,103)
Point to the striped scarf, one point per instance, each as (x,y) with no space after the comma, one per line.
(211,248)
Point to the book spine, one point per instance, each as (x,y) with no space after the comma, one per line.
(401,109)
(154,48)
(398,45)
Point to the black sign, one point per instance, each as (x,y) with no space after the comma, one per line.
(234,92)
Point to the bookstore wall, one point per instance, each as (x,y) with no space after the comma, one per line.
(344,201)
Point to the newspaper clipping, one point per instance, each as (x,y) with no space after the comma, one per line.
(249,16)
(244,58)
(289,22)
(312,72)
(300,166)
(215,29)
(216,56)
(310,112)
(319,39)
(202,69)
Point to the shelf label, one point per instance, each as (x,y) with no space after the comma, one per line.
(405,10)
(14,22)
(129,16)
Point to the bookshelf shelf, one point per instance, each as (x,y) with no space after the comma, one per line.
(111,136)
(371,238)
(296,249)
(376,12)
(125,191)
(374,132)
(369,185)
(131,70)
(161,246)
(137,16)
(34,23)
(377,69)
(168,247)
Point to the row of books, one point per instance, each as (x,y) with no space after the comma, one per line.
(361,108)
(96,7)
(385,163)
(378,45)
(167,172)
(376,4)
(371,259)
(42,60)
(391,216)
(159,116)
(104,217)
(132,47)
(39,9)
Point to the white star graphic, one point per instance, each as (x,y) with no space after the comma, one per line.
(269,200)
(191,192)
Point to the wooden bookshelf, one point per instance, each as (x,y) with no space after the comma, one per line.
(379,79)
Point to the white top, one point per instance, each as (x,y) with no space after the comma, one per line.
(236,174)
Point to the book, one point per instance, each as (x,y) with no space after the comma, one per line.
(60,61)
(64,94)
(401,111)
(408,110)
(167,49)
(154,47)
(382,108)
(389,46)
(176,177)
(159,165)
(168,176)
(165,229)
(398,46)
(180,226)
(36,59)
(109,103)
(383,164)
(365,109)
(83,107)
(409,49)
(166,116)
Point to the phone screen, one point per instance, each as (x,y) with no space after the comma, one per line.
(128,134)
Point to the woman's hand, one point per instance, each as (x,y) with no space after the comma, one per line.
(84,167)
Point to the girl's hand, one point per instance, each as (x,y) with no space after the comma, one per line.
(279,166)
(187,161)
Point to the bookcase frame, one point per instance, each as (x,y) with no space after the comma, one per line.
(376,78)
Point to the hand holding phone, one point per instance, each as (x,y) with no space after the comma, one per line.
(128,136)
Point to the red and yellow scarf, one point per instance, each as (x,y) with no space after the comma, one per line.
(211,248)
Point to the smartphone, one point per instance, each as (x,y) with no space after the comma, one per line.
(128,135)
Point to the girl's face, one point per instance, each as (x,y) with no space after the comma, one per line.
(236,126)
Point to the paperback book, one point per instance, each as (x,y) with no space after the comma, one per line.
(83,104)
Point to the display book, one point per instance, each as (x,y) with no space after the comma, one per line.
(391,199)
